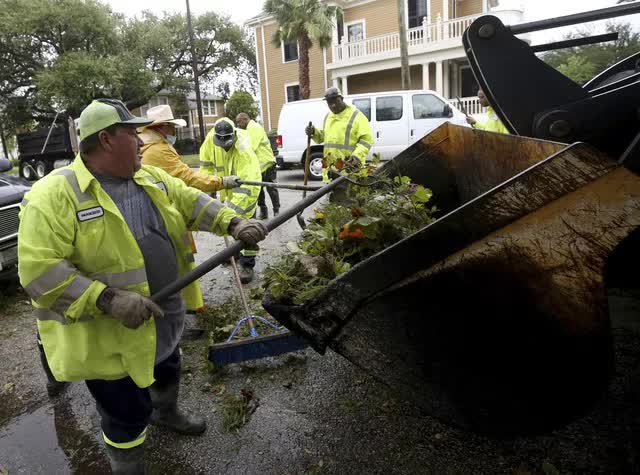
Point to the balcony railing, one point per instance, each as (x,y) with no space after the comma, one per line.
(419,39)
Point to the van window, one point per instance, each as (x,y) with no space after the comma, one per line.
(388,108)
(427,106)
(364,106)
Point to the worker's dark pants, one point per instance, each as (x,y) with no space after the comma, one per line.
(269,176)
(125,408)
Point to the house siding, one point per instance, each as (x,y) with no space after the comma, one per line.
(469,7)
(380,17)
(380,81)
(281,73)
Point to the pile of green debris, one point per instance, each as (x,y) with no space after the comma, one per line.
(341,234)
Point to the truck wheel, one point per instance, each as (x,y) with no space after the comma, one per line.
(315,166)
(27,171)
(42,168)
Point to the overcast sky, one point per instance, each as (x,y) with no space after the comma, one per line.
(242,10)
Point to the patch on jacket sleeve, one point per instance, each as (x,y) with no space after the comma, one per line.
(90,213)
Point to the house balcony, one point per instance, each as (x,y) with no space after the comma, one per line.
(439,37)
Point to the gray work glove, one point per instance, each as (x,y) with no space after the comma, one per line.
(130,308)
(249,231)
(353,163)
(310,130)
(230,181)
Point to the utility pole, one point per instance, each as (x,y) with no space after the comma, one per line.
(404,48)
(194,61)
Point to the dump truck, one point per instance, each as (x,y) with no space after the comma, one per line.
(46,148)
(494,317)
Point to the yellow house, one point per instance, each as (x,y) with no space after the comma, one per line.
(365,55)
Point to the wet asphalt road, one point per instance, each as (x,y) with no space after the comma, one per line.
(316,414)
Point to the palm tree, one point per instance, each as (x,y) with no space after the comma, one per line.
(304,21)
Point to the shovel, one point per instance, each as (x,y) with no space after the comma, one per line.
(306,180)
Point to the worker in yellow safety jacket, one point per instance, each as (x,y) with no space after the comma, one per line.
(346,135)
(226,151)
(262,147)
(158,140)
(491,122)
(96,239)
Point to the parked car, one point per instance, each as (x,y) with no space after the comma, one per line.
(44,149)
(398,119)
(12,190)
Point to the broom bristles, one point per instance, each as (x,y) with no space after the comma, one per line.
(254,348)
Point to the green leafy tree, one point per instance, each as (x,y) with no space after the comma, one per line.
(241,101)
(304,21)
(583,62)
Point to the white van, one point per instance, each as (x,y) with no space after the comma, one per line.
(398,119)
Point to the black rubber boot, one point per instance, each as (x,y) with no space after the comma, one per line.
(126,461)
(246,273)
(264,213)
(54,387)
(276,211)
(166,413)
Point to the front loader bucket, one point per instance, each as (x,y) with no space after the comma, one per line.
(493,317)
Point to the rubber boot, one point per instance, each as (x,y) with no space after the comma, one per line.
(276,211)
(54,387)
(264,213)
(246,273)
(127,461)
(166,413)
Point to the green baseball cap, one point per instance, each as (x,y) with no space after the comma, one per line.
(102,113)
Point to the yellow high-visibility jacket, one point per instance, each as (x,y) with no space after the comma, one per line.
(73,242)
(491,122)
(240,161)
(158,152)
(344,134)
(260,145)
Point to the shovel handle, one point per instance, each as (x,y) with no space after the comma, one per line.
(234,248)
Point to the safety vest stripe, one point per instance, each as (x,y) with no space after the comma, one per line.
(50,279)
(209,216)
(219,169)
(126,445)
(205,164)
(70,175)
(347,134)
(24,203)
(243,191)
(339,146)
(237,208)
(45,315)
(123,279)
(367,145)
(77,287)
(202,201)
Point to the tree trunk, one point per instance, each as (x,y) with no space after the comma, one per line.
(4,142)
(303,66)
(404,48)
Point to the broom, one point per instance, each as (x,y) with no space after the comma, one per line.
(257,346)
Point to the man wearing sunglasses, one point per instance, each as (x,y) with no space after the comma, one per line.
(227,151)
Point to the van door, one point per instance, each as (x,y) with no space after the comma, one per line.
(428,112)
(390,134)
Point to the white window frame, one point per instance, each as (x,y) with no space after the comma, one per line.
(297,49)
(289,84)
(406,13)
(345,31)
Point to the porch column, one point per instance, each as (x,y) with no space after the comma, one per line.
(446,80)
(455,82)
(336,82)
(445,10)
(439,77)
(345,86)
(425,76)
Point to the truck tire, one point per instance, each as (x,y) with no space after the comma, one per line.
(43,167)
(27,171)
(315,166)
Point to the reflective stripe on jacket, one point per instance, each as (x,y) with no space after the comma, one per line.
(344,134)
(241,161)
(492,122)
(158,152)
(73,242)
(260,145)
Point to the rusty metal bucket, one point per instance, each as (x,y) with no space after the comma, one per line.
(494,317)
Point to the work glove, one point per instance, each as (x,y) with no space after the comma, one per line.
(310,130)
(249,231)
(130,308)
(471,120)
(353,163)
(230,181)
